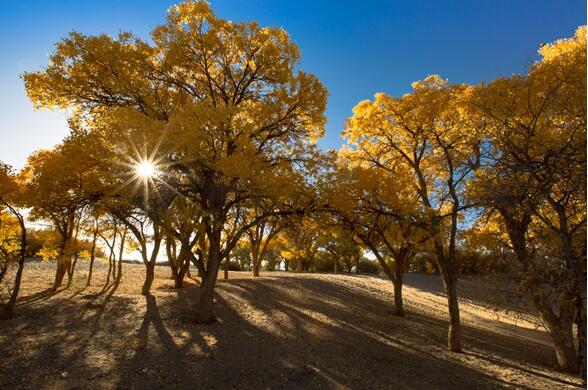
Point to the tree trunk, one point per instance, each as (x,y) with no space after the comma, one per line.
(110,260)
(256,268)
(357,265)
(450,284)
(399,275)
(149,277)
(183,261)
(581,327)
(171,258)
(560,328)
(74,251)
(454,331)
(204,312)
(150,264)
(256,259)
(398,303)
(4,269)
(298,266)
(226,268)
(336,266)
(92,256)
(576,270)
(71,271)
(63,260)
(8,310)
(62,266)
(120,256)
(565,351)
(119,271)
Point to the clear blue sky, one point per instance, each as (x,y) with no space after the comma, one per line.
(356,48)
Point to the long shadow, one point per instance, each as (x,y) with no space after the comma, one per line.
(376,320)
(532,372)
(276,332)
(488,291)
(73,333)
(37,297)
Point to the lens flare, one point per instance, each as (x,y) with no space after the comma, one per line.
(146,169)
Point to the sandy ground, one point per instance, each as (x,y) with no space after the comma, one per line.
(280,330)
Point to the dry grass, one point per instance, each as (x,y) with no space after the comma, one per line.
(277,331)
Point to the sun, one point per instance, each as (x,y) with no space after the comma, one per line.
(146,169)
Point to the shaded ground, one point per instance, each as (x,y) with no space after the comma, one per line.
(277,331)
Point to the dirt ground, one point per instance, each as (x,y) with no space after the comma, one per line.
(280,330)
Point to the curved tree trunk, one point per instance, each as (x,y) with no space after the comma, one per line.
(171,258)
(183,261)
(71,271)
(63,263)
(111,258)
(565,350)
(449,277)
(150,262)
(63,260)
(560,328)
(8,310)
(149,277)
(450,285)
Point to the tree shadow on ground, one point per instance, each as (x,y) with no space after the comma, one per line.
(277,332)
(359,319)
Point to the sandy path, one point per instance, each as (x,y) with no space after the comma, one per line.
(277,331)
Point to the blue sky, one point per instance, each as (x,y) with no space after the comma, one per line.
(356,48)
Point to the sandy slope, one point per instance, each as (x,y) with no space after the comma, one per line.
(277,331)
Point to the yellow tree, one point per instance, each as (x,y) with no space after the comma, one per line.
(340,244)
(427,133)
(62,184)
(376,206)
(232,114)
(183,224)
(299,242)
(13,194)
(536,144)
(259,238)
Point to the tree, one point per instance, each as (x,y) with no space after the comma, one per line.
(300,243)
(340,245)
(377,210)
(63,183)
(183,224)
(427,133)
(259,239)
(233,115)
(13,192)
(536,155)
